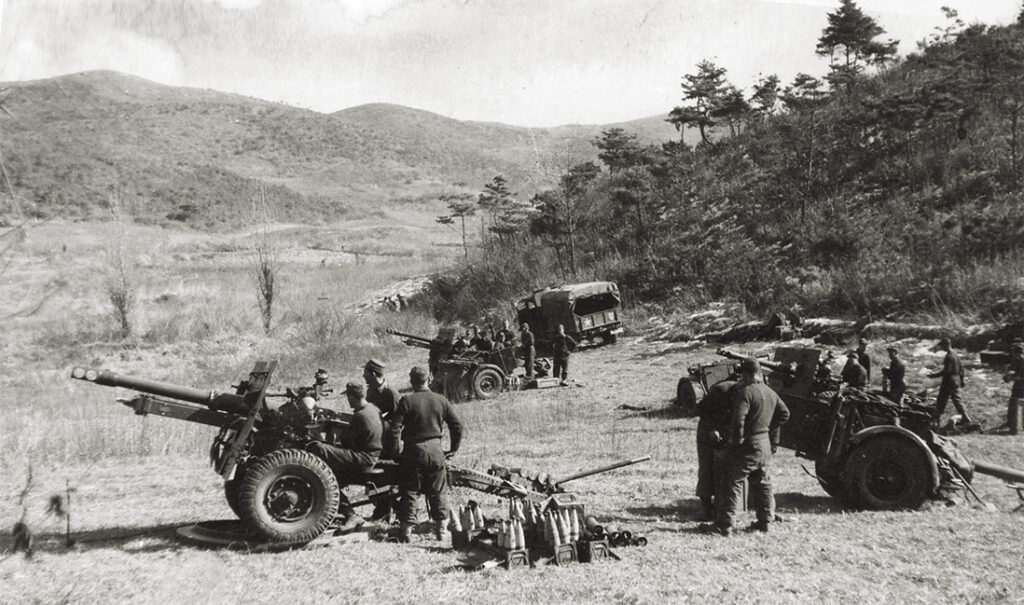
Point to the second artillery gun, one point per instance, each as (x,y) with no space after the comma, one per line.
(868,451)
(468,374)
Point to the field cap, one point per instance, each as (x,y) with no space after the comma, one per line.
(354,388)
(375,366)
(891,349)
(749,365)
(418,372)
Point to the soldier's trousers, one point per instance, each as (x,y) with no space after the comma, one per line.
(705,466)
(348,465)
(561,367)
(529,358)
(947,392)
(747,462)
(422,470)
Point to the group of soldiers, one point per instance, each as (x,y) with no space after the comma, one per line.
(857,373)
(489,339)
(406,428)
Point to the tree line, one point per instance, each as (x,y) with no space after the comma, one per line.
(889,185)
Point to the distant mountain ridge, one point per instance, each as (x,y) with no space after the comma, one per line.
(197,156)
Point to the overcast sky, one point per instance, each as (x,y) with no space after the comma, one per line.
(525,62)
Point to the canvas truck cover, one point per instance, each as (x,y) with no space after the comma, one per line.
(556,305)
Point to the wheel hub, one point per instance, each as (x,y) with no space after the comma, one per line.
(887,480)
(290,498)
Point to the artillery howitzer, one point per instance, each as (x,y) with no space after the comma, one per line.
(283,493)
(468,374)
(869,452)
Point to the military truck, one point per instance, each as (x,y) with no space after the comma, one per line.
(869,452)
(588,311)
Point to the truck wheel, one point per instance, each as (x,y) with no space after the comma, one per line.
(487,383)
(888,473)
(610,339)
(288,496)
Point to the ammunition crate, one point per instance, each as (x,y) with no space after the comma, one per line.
(565,554)
(515,559)
(590,551)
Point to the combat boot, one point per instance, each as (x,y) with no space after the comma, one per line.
(402,533)
(439,529)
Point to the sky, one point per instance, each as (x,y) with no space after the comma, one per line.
(523,62)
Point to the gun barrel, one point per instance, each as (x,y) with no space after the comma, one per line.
(603,469)
(1003,472)
(227,402)
(774,366)
(409,336)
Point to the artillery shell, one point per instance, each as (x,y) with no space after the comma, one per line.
(478,518)
(574,529)
(520,536)
(641,541)
(454,524)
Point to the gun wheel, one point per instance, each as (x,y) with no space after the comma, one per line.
(487,383)
(888,473)
(288,496)
(231,489)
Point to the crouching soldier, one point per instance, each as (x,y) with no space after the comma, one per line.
(358,451)
(418,420)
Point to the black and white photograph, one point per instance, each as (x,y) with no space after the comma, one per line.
(511,301)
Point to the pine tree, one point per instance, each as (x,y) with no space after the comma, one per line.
(849,42)
(703,90)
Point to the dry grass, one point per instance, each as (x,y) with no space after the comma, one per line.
(137,478)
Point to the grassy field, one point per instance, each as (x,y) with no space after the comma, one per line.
(135,479)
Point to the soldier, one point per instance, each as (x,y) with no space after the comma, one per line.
(561,346)
(460,344)
(895,376)
(528,350)
(385,397)
(864,359)
(952,375)
(1016,376)
(359,449)
(854,374)
(505,333)
(757,415)
(418,421)
(714,411)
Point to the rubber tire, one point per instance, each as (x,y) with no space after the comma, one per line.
(487,383)
(834,486)
(231,488)
(888,472)
(260,477)
(687,396)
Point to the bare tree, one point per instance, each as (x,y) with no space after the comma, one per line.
(267,264)
(122,272)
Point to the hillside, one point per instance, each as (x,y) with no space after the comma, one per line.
(196,156)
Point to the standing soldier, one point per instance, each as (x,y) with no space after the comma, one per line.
(895,376)
(757,415)
(1016,376)
(854,374)
(381,394)
(864,359)
(418,422)
(529,351)
(952,375)
(561,346)
(714,411)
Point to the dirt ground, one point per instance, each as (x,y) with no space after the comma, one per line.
(124,508)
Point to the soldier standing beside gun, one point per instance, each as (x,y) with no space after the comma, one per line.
(385,397)
(418,420)
(894,377)
(561,346)
(757,415)
(714,411)
(864,359)
(952,375)
(359,450)
(529,352)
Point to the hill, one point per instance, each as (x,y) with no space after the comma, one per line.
(197,156)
